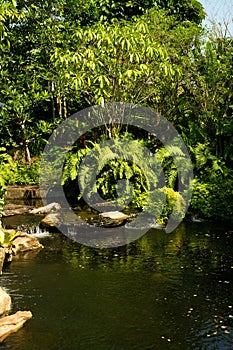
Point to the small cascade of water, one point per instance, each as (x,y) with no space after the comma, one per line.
(37,231)
(34,230)
(27,224)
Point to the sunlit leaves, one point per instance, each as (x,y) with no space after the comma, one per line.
(113,62)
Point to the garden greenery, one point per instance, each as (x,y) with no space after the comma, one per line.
(59,57)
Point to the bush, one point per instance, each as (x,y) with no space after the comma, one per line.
(132,176)
(17,172)
(169,201)
(213,198)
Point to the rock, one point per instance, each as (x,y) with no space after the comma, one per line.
(24,192)
(2,258)
(46,209)
(51,220)
(9,252)
(113,218)
(115,215)
(11,324)
(21,243)
(16,209)
(24,242)
(26,255)
(5,302)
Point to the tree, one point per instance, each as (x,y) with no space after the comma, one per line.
(125,61)
(35,83)
(207,93)
(23,79)
(184,10)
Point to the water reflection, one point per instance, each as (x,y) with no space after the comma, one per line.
(162,291)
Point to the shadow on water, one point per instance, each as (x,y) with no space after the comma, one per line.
(163,291)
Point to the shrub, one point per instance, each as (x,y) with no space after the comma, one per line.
(213,198)
(17,172)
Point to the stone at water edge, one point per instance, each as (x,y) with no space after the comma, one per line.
(24,243)
(20,244)
(5,302)
(115,215)
(2,258)
(16,209)
(51,220)
(11,324)
(46,209)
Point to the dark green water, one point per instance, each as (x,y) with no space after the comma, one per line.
(164,291)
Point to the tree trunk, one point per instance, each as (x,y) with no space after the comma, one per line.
(59,105)
(27,154)
(219,146)
(64,108)
(52,99)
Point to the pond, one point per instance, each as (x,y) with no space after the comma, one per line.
(163,291)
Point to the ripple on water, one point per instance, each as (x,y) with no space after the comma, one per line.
(149,294)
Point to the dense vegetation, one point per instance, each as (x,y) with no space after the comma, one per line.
(58,57)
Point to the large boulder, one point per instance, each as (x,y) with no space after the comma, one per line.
(24,243)
(5,302)
(51,220)
(13,323)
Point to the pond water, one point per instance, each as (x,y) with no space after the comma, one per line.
(163,291)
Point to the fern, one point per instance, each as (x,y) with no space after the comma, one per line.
(108,166)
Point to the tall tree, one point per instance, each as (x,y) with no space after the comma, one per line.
(207,97)
(57,52)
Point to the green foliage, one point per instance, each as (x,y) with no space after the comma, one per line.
(61,56)
(46,76)
(17,171)
(213,199)
(212,188)
(128,178)
(7,236)
(160,203)
(129,50)
(207,98)
(184,10)
(72,163)
(208,166)
(107,166)
(109,187)
(8,14)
